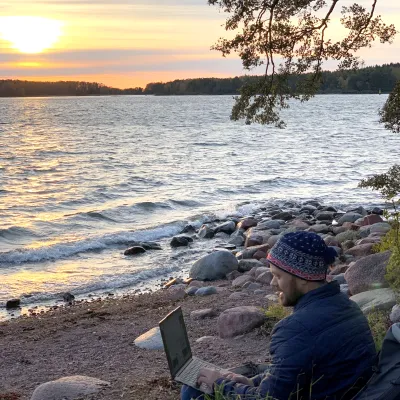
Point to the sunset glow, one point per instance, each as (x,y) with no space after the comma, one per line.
(30,34)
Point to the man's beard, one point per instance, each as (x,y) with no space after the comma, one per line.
(289,299)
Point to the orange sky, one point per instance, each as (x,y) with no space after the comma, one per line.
(127,43)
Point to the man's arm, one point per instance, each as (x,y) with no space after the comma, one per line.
(292,353)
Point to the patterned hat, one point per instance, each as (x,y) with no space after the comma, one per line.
(303,254)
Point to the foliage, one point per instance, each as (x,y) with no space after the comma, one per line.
(390,113)
(274,313)
(295,33)
(379,323)
(389,186)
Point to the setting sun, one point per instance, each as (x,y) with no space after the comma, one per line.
(30,34)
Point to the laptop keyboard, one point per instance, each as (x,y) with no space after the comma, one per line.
(191,372)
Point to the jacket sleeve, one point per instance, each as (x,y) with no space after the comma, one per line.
(291,369)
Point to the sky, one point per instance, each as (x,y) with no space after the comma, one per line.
(129,43)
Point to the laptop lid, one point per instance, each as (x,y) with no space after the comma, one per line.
(176,342)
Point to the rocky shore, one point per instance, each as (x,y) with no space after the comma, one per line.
(224,298)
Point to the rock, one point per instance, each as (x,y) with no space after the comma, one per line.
(371,219)
(150,245)
(314,203)
(205,232)
(225,246)
(361,250)
(191,291)
(251,251)
(151,340)
(272,297)
(68,297)
(273,240)
(347,245)
(201,314)
(214,266)
(259,255)
(271,224)
(253,286)
(373,240)
(207,339)
(348,235)
(227,227)
(260,270)
(350,226)
(206,291)
(177,292)
(238,241)
(233,275)
(338,229)
(134,250)
(340,278)
(324,216)
(285,216)
(331,241)
(377,210)
(339,269)
(247,265)
(299,224)
(188,229)
(222,235)
(358,210)
(349,217)
(181,241)
(395,314)
(259,292)
(239,320)
(241,280)
(380,227)
(13,303)
(308,208)
(375,300)
(247,223)
(265,278)
(69,388)
(319,228)
(368,273)
(238,296)
(254,240)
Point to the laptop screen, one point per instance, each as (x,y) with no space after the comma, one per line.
(176,342)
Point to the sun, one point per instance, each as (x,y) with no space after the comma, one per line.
(30,34)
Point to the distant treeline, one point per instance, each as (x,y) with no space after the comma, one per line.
(366,80)
(17,88)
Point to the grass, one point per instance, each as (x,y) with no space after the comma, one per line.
(379,323)
(274,313)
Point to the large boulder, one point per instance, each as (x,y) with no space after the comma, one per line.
(151,340)
(254,240)
(320,228)
(347,235)
(371,219)
(380,227)
(239,320)
(214,266)
(368,273)
(360,250)
(324,215)
(265,278)
(349,217)
(69,388)
(375,300)
(249,252)
(205,232)
(271,224)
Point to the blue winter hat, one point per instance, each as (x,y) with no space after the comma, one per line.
(303,254)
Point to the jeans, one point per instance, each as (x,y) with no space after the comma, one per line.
(188,393)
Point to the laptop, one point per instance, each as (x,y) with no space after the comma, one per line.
(183,366)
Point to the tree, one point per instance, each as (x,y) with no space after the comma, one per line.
(289,38)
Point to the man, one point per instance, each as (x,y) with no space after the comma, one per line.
(324,350)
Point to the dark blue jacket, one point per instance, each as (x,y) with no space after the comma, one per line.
(325,347)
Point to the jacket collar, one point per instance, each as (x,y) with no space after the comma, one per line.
(327,290)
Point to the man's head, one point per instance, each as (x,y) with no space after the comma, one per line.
(299,262)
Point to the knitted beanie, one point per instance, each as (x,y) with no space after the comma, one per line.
(303,254)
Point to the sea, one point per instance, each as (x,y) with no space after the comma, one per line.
(82,178)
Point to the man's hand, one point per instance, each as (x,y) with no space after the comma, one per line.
(239,379)
(208,376)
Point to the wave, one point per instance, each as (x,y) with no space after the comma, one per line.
(186,203)
(15,232)
(209,144)
(65,250)
(104,284)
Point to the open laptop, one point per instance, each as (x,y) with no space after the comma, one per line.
(183,366)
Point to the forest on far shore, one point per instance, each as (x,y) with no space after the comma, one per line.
(362,81)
